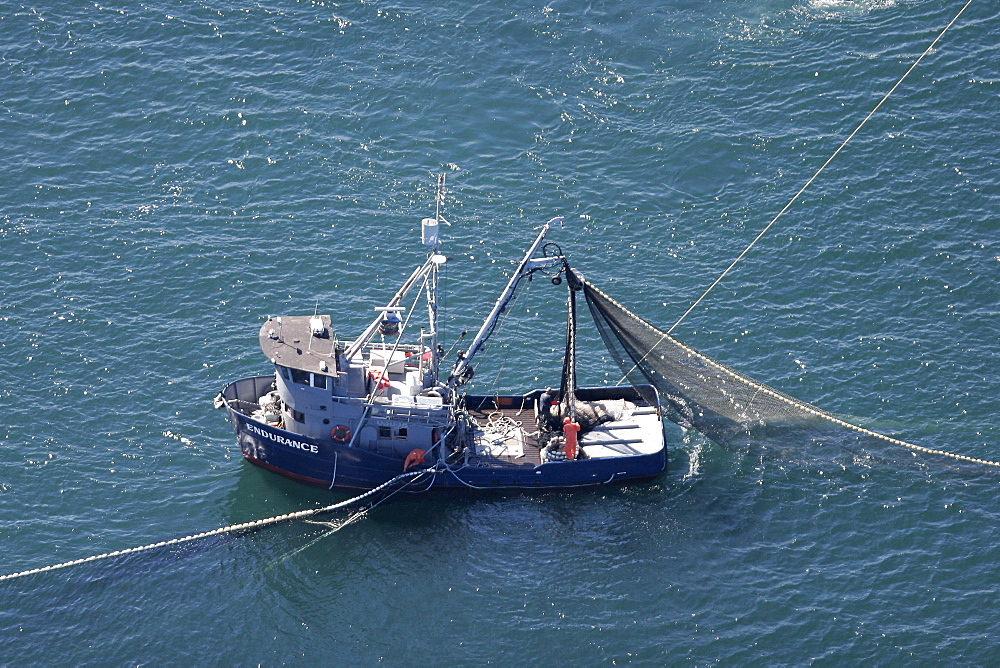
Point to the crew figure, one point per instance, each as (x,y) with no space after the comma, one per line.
(548,409)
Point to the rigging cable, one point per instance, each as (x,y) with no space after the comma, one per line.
(500,325)
(820,170)
(801,190)
(395,346)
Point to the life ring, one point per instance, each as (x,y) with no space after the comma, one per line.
(340,434)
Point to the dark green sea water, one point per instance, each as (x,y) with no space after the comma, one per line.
(174,171)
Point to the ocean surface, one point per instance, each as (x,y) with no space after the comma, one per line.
(176,170)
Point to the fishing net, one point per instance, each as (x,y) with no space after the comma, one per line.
(588,414)
(729,407)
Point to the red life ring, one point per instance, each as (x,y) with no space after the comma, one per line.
(340,434)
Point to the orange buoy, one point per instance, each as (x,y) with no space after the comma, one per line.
(415,457)
(340,434)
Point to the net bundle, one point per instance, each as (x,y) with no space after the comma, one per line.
(729,407)
(588,414)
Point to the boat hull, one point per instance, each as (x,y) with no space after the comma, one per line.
(323,463)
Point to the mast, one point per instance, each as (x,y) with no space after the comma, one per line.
(434,240)
(461,371)
(429,233)
(393,305)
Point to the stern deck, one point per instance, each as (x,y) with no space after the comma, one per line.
(507,432)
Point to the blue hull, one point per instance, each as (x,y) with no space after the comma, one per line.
(327,464)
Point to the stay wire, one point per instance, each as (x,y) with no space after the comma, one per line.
(799,193)
(820,170)
(500,325)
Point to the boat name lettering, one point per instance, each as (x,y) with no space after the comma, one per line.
(307,447)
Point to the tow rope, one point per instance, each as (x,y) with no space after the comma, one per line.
(255,524)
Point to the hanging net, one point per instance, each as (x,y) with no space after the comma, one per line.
(727,406)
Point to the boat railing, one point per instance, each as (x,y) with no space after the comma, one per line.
(243,395)
(350,401)
(419,415)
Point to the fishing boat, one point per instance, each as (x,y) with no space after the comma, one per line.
(357,413)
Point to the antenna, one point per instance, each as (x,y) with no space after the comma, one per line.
(439,199)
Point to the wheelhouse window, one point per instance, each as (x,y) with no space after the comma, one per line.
(401,433)
(385,432)
(302,377)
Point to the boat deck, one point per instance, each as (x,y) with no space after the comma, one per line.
(508,433)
